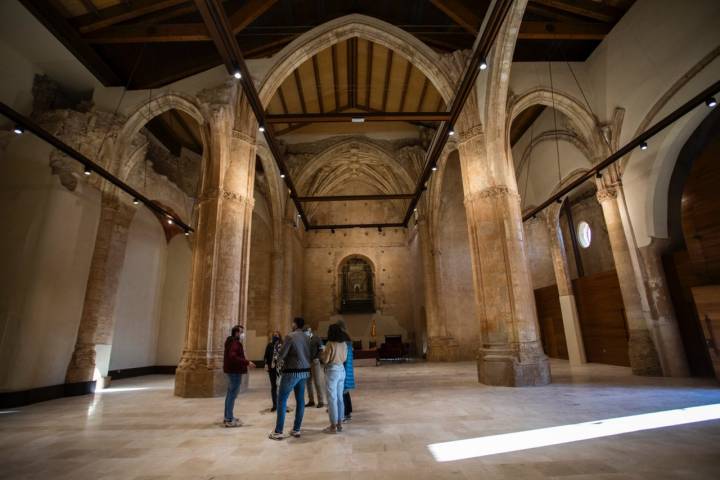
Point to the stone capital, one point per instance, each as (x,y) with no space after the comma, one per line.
(491,192)
(607,193)
(244,137)
(470,133)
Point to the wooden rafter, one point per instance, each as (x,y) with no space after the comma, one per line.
(370,116)
(90,6)
(187,130)
(461,14)
(301,95)
(563,31)
(584,8)
(318,84)
(386,85)
(336,89)
(248,13)
(352,71)
(423,92)
(368,73)
(53,20)
(120,13)
(406,84)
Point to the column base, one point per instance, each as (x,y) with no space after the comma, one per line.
(443,349)
(505,366)
(200,383)
(644,359)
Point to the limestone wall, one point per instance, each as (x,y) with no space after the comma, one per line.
(537,248)
(392,263)
(173,306)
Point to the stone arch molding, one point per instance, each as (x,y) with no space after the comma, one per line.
(377,31)
(125,158)
(581,119)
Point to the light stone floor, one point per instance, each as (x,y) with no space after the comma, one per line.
(139,430)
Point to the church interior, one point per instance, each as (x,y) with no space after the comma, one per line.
(511,205)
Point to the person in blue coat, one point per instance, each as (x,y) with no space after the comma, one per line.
(349,373)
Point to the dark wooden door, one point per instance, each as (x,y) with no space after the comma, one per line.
(551,322)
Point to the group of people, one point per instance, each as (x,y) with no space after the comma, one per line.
(299,357)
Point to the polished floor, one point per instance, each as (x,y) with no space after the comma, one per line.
(138,430)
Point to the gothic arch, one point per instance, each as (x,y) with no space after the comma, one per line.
(321,37)
(124,159)
(581,119)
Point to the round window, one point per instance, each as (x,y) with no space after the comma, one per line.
(584,234)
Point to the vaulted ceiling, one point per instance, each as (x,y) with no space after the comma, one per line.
(149,43)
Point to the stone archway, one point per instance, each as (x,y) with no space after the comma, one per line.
(319,38)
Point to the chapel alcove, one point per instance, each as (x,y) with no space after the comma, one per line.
(355,278)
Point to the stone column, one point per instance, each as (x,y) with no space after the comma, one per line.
(278,294)
(511,353)
(218,287)
(441,346)
(643,356)
(664,323)
(568,307)
(94,338)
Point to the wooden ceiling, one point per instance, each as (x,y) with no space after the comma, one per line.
(355,75)
(149,43)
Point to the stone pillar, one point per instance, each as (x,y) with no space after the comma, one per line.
(511,353)
(643,356)
(664,323)
(278,295)
(94,338)
(219,283)
(441,346)
(568,307)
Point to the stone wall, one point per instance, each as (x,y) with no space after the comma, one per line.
(597,257)
(538,253)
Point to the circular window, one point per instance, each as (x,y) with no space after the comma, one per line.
(584,234)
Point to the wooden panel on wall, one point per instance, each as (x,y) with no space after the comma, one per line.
(551,323)
(707,303)
(602,318)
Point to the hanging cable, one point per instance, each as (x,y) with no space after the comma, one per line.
(557,138)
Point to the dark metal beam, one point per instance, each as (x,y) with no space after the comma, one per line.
(488,33)
(344,226)
(355,198)
(216,20)
(671,118)
(30,126)
(367,116)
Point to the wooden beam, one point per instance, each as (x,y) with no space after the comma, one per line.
(523,122)
(356,225)
(318,85)
(356,198)
(368,73)
(164,33)
(336,89)
(248,13)
(301,95)
(191,133)
(119,13)
(460,13)
(406,84)
(423,92)
(367,116)
(563,31)
(270,47)
(386,86)
(53,20)
(584,8)
(90,6)
(352,71)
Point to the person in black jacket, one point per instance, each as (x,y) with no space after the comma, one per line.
(272,351)
(234,365)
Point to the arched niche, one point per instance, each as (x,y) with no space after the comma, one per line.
(356,285)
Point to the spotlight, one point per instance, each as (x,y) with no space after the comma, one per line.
(170,221)
(282,175)
(135,201)
(237,74)
(451,132)
(357,119)
(643,146)
(434,168)
(483,64)
(18,130)
(262,129)
(187,233)
(598,174)
(559,200)
(711,102)
(87,171)
(332,230)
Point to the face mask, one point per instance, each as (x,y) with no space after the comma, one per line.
(308,334)
(276,338)
(241,337)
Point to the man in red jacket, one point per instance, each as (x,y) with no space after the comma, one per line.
(234,365)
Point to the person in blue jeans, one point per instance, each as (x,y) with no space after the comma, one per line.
(295,358)
(234,365)
(333,357)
